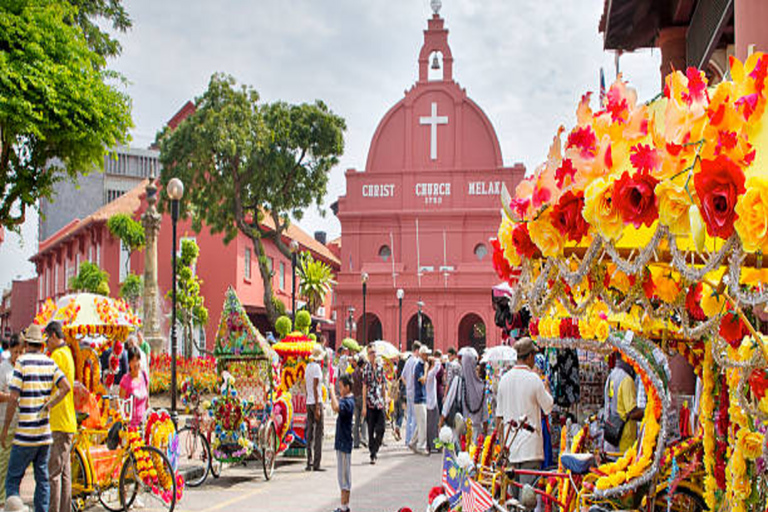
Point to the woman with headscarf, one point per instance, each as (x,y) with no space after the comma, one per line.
(469,388)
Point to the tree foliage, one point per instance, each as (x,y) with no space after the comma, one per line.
(91,279)
(283,326)
(190,305)
(90,12)
(242,161)
(316,281)
(132,289)
(129,232)
(59,108)
(303,321)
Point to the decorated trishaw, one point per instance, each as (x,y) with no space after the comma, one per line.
(110,462)
(645,233)
(237,424)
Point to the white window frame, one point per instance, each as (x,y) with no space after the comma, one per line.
(282,275)
(247,264)
(125,262)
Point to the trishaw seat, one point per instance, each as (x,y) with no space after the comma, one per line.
(578,463)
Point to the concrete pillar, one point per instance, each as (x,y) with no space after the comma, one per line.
(749,17)
(671,41)
(151,322)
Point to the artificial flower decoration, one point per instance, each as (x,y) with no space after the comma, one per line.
(673,204)
(546,235)
(521,239)
(752,215)
(600,210)
(567,218)
(718,186)
(634,198)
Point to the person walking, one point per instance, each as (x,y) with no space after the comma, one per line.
(375,393)
(15,349)
(620,406)
(313,377)
(360,431)
(433,400)
(522,394)
(419,442)
(37,386)
(63,423)
(452,370)
(408,380)
(345,408)
(469,389)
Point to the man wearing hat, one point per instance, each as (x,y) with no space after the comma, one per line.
(419,441)
(33,388)
(523,394)
(313,376)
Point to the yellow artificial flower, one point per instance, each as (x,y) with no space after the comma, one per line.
(712,303)
(667,288)
(602,330)
(753,445)
(547,237)
(674,203)
(585,329)
(754,276)
(698,232)
(504,235)
(599,210)
(752,209)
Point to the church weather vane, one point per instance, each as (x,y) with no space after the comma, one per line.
(436,5)
(433,120)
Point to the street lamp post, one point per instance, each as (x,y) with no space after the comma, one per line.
(175,191)
(420,304)
(294,250)
(400,295)
(364,279)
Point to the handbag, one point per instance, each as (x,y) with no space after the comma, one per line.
(613,428)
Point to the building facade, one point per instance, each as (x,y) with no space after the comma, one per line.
(417,221)
(18,306)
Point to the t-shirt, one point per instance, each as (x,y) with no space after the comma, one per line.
(626,401)
(407,374)
(343,442)
(522,393)
(6,373)
(419,391)
(139,390)
(63,417)
(313,372)
(34,379)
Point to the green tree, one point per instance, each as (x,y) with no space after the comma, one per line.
(132,289)
(283,326)
(190,305)
(59,108)
(303,321)
(90,13)
(91,279)
(316,281)
(242,161)
(129,232)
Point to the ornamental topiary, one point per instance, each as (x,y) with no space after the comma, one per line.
(283,326)
(303,321)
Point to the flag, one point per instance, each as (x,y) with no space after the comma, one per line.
(474,497)
(451,479)
(602,88)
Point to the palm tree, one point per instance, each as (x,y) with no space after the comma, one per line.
(316,281)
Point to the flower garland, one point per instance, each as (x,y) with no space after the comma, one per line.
(45,313)
(488,443)
(151,469)
(707,404)
(159,429)
(231,441)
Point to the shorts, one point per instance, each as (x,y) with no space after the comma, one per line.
(344,470)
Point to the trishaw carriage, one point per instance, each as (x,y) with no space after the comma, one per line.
(646,232)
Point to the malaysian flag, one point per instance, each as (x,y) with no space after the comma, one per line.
(602,88)
(451,479)
(474,497)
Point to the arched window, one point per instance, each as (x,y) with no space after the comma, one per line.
(384,253)
(480,251)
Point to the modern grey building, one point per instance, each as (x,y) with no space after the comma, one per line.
(124,168)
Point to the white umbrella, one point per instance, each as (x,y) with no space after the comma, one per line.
(468,350)
(385,349)
(499,354)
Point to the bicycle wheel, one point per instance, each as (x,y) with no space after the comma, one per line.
(683,500)
(269,451)
(194,456)
(79,482)
(161,491)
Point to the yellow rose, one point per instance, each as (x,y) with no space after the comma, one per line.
(753,445)
(585,329)
(547,237)
(504,235)
(667,288)
(752,209)
(711,303)
(602,330)
(599,210)
(674,203)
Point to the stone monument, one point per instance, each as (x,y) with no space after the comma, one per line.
(151,220)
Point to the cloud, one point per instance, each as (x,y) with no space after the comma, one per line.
(526,64)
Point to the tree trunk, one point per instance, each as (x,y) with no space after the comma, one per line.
(266,277)
(187,330)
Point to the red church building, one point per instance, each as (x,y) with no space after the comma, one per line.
(416,222)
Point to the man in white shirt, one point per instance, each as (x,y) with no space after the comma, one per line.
(313,433)
(407,377)
(523,394)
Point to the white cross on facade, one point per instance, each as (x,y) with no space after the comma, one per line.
(433,121)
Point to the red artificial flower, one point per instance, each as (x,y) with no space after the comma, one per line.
(584,139)
(693,303)
(519,206)
(500,263)
(726,140)
(617,105)
(758,381)
(760,73)
(697,86)
(521,239)
(567,217)
(732,329)
(749,102)
(635,199)
(649,289)
(566,169)
(533,328)
(541,196)
(644,158)
(718,186)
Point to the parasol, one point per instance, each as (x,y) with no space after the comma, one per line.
(468,350)
(385,349)
(86,314)
(499,354)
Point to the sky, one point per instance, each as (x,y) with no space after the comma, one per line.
(525,62)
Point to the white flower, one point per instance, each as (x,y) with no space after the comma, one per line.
(446,435)
(464,460)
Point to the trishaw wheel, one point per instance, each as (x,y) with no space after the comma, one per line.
(269,451)
(683,500)
(79,482)
(161,491)
(194,456)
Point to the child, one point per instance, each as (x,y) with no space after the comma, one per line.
(345,408)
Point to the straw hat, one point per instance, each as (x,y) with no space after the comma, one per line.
(318,353)
(33,334)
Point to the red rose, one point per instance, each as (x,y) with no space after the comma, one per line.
(533,328)
(567,217)
(648,287)
(758,381)
(732,329)
(114,363)
(118,349)
(635,199)
(718,186)
(521,239)
(109,380)
(500,263)
(693,303)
